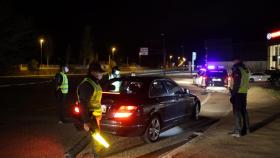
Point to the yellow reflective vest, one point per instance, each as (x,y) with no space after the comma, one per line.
(64,85)
(95,99)
(244,84)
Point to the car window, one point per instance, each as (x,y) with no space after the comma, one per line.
(173,88)
(128,87)
(217,73)
(157,89)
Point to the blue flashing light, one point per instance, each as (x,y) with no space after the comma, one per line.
(202,69)
(211,67)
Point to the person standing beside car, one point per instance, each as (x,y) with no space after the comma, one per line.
(89,94)
(61,91)
(239,89)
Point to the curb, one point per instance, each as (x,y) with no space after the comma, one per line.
(172,153)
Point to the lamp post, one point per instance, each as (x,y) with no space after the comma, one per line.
(41,45)
(113,51)
(170,60)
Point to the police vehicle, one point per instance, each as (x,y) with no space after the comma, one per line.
(212,76)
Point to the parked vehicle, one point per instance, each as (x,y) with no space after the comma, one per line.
(145,106)
(259,77)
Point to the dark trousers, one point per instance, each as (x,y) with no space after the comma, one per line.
(61,104)
(240,113)
(85,141)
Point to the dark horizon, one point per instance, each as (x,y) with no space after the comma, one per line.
(130,25)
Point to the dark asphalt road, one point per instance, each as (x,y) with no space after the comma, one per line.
(29,129)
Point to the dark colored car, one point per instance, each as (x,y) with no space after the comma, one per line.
(145,106)
(217,78)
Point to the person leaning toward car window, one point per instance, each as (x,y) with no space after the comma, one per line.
(61,91)
(89,94)
(116,73)
(239,89)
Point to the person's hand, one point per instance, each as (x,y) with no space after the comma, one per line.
(98,119)
(87,127)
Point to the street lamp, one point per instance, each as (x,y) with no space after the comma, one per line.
(170,57)
(170,60)
(41,45)
(113,51)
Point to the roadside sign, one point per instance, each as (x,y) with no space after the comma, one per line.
(193,56)
(143,51)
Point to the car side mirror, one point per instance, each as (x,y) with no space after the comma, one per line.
(187,91)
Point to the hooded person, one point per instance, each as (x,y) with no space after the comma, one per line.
(89,94)
(239,89)
(61,91)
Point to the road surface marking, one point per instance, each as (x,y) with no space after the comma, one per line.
(206,99)
(24,84)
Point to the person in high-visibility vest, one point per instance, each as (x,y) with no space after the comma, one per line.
(116,73)
(89,93)
(61,91)
(239,89)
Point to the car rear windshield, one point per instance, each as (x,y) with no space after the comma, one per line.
(217,73)
(124,86)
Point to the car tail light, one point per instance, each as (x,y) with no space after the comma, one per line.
(77,109)
(125,111)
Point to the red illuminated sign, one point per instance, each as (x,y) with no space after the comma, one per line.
(273,35)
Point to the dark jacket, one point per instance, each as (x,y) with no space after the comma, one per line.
(58,79)
(85,91)
(236,75)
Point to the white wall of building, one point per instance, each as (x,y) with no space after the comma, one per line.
(253,66)
(273,50)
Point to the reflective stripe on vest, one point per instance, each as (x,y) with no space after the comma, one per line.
(244,84)
(95,99)
(64,85)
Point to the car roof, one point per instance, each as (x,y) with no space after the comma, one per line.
(144,78)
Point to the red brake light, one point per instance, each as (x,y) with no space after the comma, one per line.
(125,111)
(76,109)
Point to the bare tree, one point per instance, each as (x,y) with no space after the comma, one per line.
(16,35)
(68,53)
(86,46)
(48,48)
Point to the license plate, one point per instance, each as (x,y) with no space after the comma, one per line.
(104,108)
(216,79)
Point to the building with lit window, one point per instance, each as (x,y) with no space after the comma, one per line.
(273,58)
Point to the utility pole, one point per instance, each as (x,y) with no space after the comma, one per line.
(163,52)
(206,53)
(163,49)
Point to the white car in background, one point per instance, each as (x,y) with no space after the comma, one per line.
(259,76)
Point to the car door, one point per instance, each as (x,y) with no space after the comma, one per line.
(166,103)
(183,102)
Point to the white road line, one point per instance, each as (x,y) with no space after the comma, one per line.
(24,84)
(206,99)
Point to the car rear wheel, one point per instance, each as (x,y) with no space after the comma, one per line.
(153,131)
(196,112)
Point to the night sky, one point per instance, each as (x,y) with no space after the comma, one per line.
(130,24)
